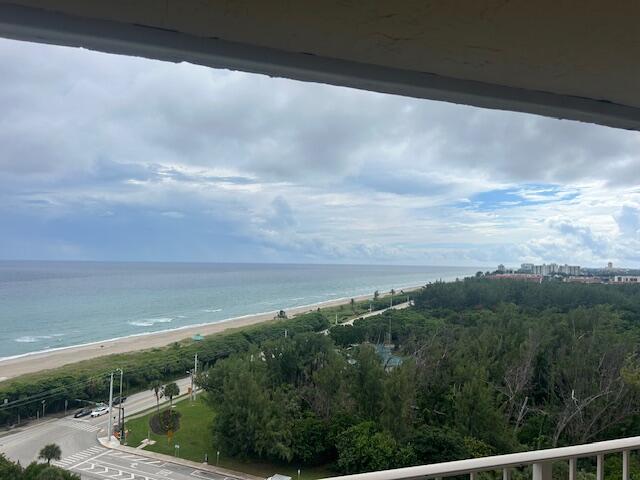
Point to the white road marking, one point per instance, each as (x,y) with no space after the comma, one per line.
(206,475)
(78,457)
(119,468)
(79,425)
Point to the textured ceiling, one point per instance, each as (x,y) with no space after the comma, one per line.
(587,49)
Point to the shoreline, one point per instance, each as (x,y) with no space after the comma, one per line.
(32,362)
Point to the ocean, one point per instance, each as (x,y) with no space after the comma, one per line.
(48,305)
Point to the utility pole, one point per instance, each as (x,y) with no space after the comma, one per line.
(110,431)
(191,390)
(122,439)
(120,419)
(195,372)
(121,410)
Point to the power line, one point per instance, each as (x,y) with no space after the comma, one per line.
(58,390)
(46,394)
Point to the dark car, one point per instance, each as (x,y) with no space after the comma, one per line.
(119,400)
(83,412)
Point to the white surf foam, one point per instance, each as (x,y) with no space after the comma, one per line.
(36,338)
(149,322)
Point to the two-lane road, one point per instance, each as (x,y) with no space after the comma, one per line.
(81,451)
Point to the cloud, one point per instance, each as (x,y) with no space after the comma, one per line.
(628,220)
(103,156)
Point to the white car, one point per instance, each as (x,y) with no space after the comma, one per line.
(100,411)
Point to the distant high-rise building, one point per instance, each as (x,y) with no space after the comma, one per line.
(610,266)
(551,269)
(501,268)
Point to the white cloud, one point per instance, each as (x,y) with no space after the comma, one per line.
(269,169)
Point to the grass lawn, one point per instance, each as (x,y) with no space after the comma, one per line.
(195,439)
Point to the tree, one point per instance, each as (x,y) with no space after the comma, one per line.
(50,452)
(369,382)
(8,469)
(309,442)
(435,445)
(252,419)
(376,295)
(364,447)
(171,390)
(42,471)
(399,401)
(353,305)
(157,388)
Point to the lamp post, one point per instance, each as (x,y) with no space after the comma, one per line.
(121,410)
(110,430)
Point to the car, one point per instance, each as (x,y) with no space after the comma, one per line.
(119,400)
(101,410)
(83,412)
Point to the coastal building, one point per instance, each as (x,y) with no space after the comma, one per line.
(554,268)
(583,279)
(527,267)
(387,357)
(625,279)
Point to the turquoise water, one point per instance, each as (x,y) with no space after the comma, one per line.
(45,305)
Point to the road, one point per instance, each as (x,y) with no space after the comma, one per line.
(399,306)
(83,454)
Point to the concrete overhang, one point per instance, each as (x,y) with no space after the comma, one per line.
(574,59)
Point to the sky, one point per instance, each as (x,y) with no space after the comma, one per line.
(107,157)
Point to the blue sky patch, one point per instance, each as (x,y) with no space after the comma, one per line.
(522,196)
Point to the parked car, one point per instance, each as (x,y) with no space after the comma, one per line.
(100,411)
(119,400)
(83,412)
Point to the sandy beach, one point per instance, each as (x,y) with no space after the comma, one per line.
(30,363)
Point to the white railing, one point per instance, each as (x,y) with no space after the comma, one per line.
(540,460)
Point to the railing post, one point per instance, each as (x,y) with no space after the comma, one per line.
(506,474)
(573,468)
(472,475)
(625,465)
(542,471)
(600,467)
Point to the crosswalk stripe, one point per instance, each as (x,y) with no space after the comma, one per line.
(79,425)
(78,457)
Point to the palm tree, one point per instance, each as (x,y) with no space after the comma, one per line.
(50,452)
(171,390)
(353,305)
(157,388)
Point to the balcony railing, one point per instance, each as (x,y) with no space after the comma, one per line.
(540,460)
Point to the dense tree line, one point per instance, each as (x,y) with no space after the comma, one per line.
(89,381)
(489,367)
